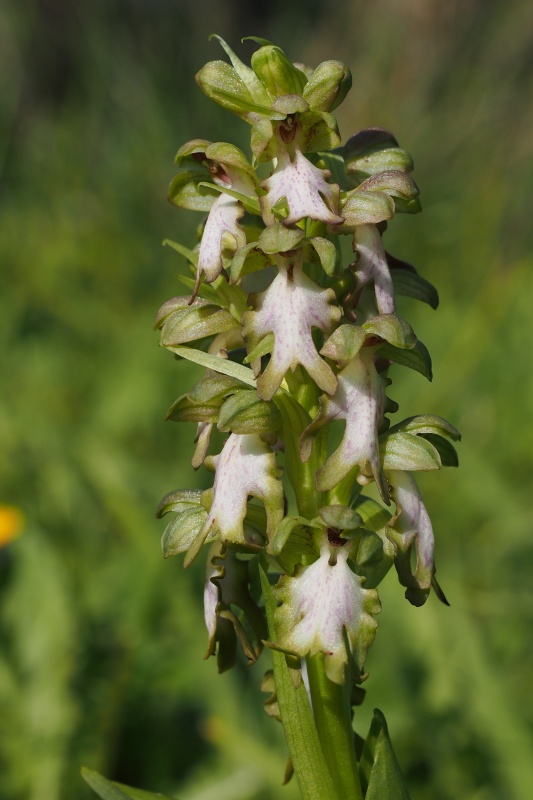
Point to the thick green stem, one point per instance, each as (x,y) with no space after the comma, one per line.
(331,710)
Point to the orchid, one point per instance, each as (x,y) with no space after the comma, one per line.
(293,341)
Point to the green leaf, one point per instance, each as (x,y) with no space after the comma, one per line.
(381,775)
(306,753)
(190,255)
(109,790)
(447,452)
(416,358)
(251,204)
(410,284)
(217,363)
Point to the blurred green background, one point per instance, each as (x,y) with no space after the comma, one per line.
(101,641)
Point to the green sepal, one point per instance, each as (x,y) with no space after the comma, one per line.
(344,343)
(213,386)
(178,501)
(411,284)
(417,358)
(290,104)
(340,517)
(187,190)
(373,557)
(295,542)
(374,516)
(245,412)
(381,776)
(392,329)
(327,253)
(246,74)
(399,185)
(276,72)
(279,238)
(221,83)
(248,259)
(320,131)
(428,423)
(184,410)
(110,790)
(181,322)
(182,531)
(372,151)
(364,207)
(328,85)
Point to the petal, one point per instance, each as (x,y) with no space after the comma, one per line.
(223,218)
(359,400)
(372,266)
(411,525)
(319,605)
(246,466)
(290,308)
(305,189)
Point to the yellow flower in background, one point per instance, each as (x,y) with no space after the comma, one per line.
(11,524)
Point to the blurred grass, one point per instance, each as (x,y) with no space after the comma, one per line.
(101,642)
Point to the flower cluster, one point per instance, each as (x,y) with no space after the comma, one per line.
(292,306)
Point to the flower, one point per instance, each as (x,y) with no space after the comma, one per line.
(287,312)
(359,400)
(322,604)
(411,526)
(371,265)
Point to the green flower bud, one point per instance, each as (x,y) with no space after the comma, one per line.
(328,86)
(276,72)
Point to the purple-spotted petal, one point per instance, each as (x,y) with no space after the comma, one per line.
(359,400)
(245,467)
(289,309)
(304,187)
(223,219)
(321,605)
(372,266)
(411,525)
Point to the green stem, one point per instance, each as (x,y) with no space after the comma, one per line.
(331,710)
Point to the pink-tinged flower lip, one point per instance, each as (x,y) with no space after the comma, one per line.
(359,400)
(223,220)
(305,189)
(289,309)
(245,467)
(323,606)
(411,526)
(372,266)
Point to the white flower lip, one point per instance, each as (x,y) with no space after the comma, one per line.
(304,187)
(372,266)
(290,308)
(245,467)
